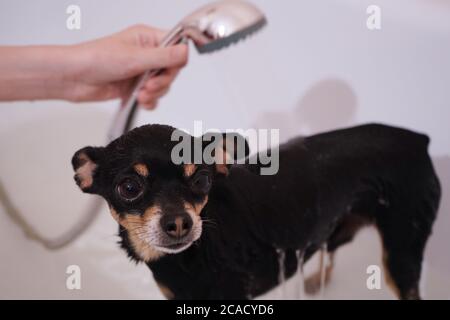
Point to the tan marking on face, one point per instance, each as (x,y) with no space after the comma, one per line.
(197,208)
(85,171)
(135,225)
(115,215)
(141,169)
(165,291)
(189,169)
(222,168)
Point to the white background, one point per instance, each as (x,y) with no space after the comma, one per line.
(315,67)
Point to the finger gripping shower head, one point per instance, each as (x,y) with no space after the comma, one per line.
(210,28)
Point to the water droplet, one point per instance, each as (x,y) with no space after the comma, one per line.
(300,275)
(323,269)
(281,276)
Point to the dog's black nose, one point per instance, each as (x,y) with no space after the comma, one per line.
(176,225)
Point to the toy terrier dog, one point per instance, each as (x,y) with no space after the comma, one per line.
(215,230)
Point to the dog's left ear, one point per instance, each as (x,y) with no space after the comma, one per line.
(227,148)
(86,163)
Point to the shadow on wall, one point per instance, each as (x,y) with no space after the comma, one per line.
(328,104)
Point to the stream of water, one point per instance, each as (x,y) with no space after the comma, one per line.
(323,269)
(300,277)
(281,275)
(300,293)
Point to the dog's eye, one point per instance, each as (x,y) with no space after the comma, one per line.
(201,182)
(129,189)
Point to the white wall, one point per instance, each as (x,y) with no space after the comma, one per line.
(315,67)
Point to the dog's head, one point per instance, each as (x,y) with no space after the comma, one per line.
(157,200)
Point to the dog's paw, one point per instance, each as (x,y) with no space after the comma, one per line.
(312,284)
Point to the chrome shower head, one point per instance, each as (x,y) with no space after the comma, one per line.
(219,24)
(210,28)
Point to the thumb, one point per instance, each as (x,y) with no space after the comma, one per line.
(160,58)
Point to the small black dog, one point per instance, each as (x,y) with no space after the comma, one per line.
(328,186)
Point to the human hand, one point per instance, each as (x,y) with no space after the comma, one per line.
(108,67)
(97,70)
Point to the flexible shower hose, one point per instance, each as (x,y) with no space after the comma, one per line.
(60,241)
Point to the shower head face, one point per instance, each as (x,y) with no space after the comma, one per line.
(220,24)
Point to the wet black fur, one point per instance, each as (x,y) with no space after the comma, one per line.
(328,185)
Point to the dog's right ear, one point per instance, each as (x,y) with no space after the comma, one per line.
(85,163)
